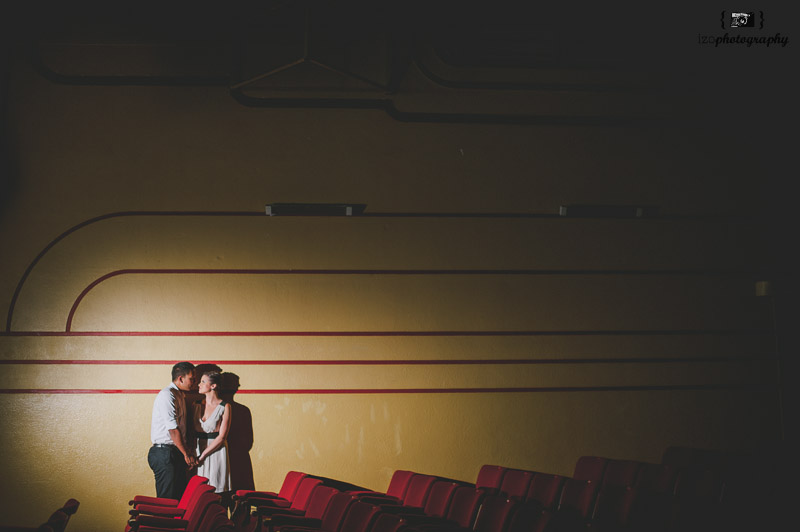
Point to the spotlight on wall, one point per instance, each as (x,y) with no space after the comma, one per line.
(315,209)
(608,211)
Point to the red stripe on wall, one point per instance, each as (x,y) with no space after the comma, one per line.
(357,391)
(411,362)
(676,332)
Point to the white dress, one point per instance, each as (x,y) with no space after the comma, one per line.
(215,467)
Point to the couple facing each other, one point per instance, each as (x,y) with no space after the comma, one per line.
(173,430)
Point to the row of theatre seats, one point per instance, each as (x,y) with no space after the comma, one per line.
(609,495)
(200,509)
(57,522)
(680,494)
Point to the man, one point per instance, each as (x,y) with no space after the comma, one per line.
(170,456)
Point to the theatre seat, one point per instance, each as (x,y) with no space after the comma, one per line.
(386,522)
(465,505)
(193,483)
(331,521)
(698,494)
(616,495)
(495,514)
(315,510)
(189,523)
(516,483)
(397,490)
(490,477)
(575,507)
(172,511)
(439,498)
(545,489)
(398,485)
(529,517)
(244,500)
(290,485)
(651,507)
(590,468)
(418,490)
(299,501)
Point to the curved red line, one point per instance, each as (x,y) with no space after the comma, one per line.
(102,217)
(119,214)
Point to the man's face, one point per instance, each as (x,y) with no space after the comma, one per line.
(185,382)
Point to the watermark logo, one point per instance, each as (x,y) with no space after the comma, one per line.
(742,20)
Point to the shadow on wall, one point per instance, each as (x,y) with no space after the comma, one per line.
(240,437)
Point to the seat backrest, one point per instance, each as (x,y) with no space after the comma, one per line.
(495,514)
(529,517)
(301,498)
(590,468)
(204,502)
(359,517)
(194,502)
(577,498)
(612,507)
(697,500)
(620,473)
(336,510)
(215,519)
(319,500)
(399,483)
(439,498)
(490,476)
(657,478)
(192,485)
(545,489)
(465,505)
(418,490)
(516,483)
(388,522)
(653,501)
(290,484)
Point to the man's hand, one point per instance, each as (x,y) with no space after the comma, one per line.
(191,461)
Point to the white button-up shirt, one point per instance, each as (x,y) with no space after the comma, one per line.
(169,412)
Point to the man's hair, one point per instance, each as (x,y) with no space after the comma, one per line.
(181,369)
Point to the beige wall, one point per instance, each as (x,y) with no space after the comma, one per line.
(85,151)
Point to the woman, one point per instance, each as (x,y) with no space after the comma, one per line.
(212,420)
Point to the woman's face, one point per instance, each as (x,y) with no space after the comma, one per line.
(205,384)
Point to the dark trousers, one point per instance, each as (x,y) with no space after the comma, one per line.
(169,468)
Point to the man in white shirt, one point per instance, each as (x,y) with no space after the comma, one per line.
(170,457)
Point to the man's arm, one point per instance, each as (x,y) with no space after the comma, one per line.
(175,436)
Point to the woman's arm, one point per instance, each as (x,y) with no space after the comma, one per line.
(224,426)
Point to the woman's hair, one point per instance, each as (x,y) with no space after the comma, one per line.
(214,377)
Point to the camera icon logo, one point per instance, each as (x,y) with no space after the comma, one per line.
(743,20)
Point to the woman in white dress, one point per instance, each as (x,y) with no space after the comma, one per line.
(212,420)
